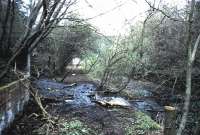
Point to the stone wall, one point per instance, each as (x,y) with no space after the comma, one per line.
(12,99)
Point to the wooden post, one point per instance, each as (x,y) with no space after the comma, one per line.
(170,121)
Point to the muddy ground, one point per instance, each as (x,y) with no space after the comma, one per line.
(81,117)
(102,121)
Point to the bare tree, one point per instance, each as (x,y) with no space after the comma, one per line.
(112,60)
(191,49)
(190,61)
(44,16)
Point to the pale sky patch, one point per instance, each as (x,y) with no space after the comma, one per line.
(119,14)
(117,21)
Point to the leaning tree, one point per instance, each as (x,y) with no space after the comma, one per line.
(40,18)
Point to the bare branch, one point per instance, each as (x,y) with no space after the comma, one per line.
(163,12)
(195,49)
(37,31)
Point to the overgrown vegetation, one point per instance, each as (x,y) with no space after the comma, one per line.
(162,48)
(142,125)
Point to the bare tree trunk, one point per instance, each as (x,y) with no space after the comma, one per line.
(12,19)
(191,57)
(141,39)
(33,35)
(28,65)
(188,85)
(4,28)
